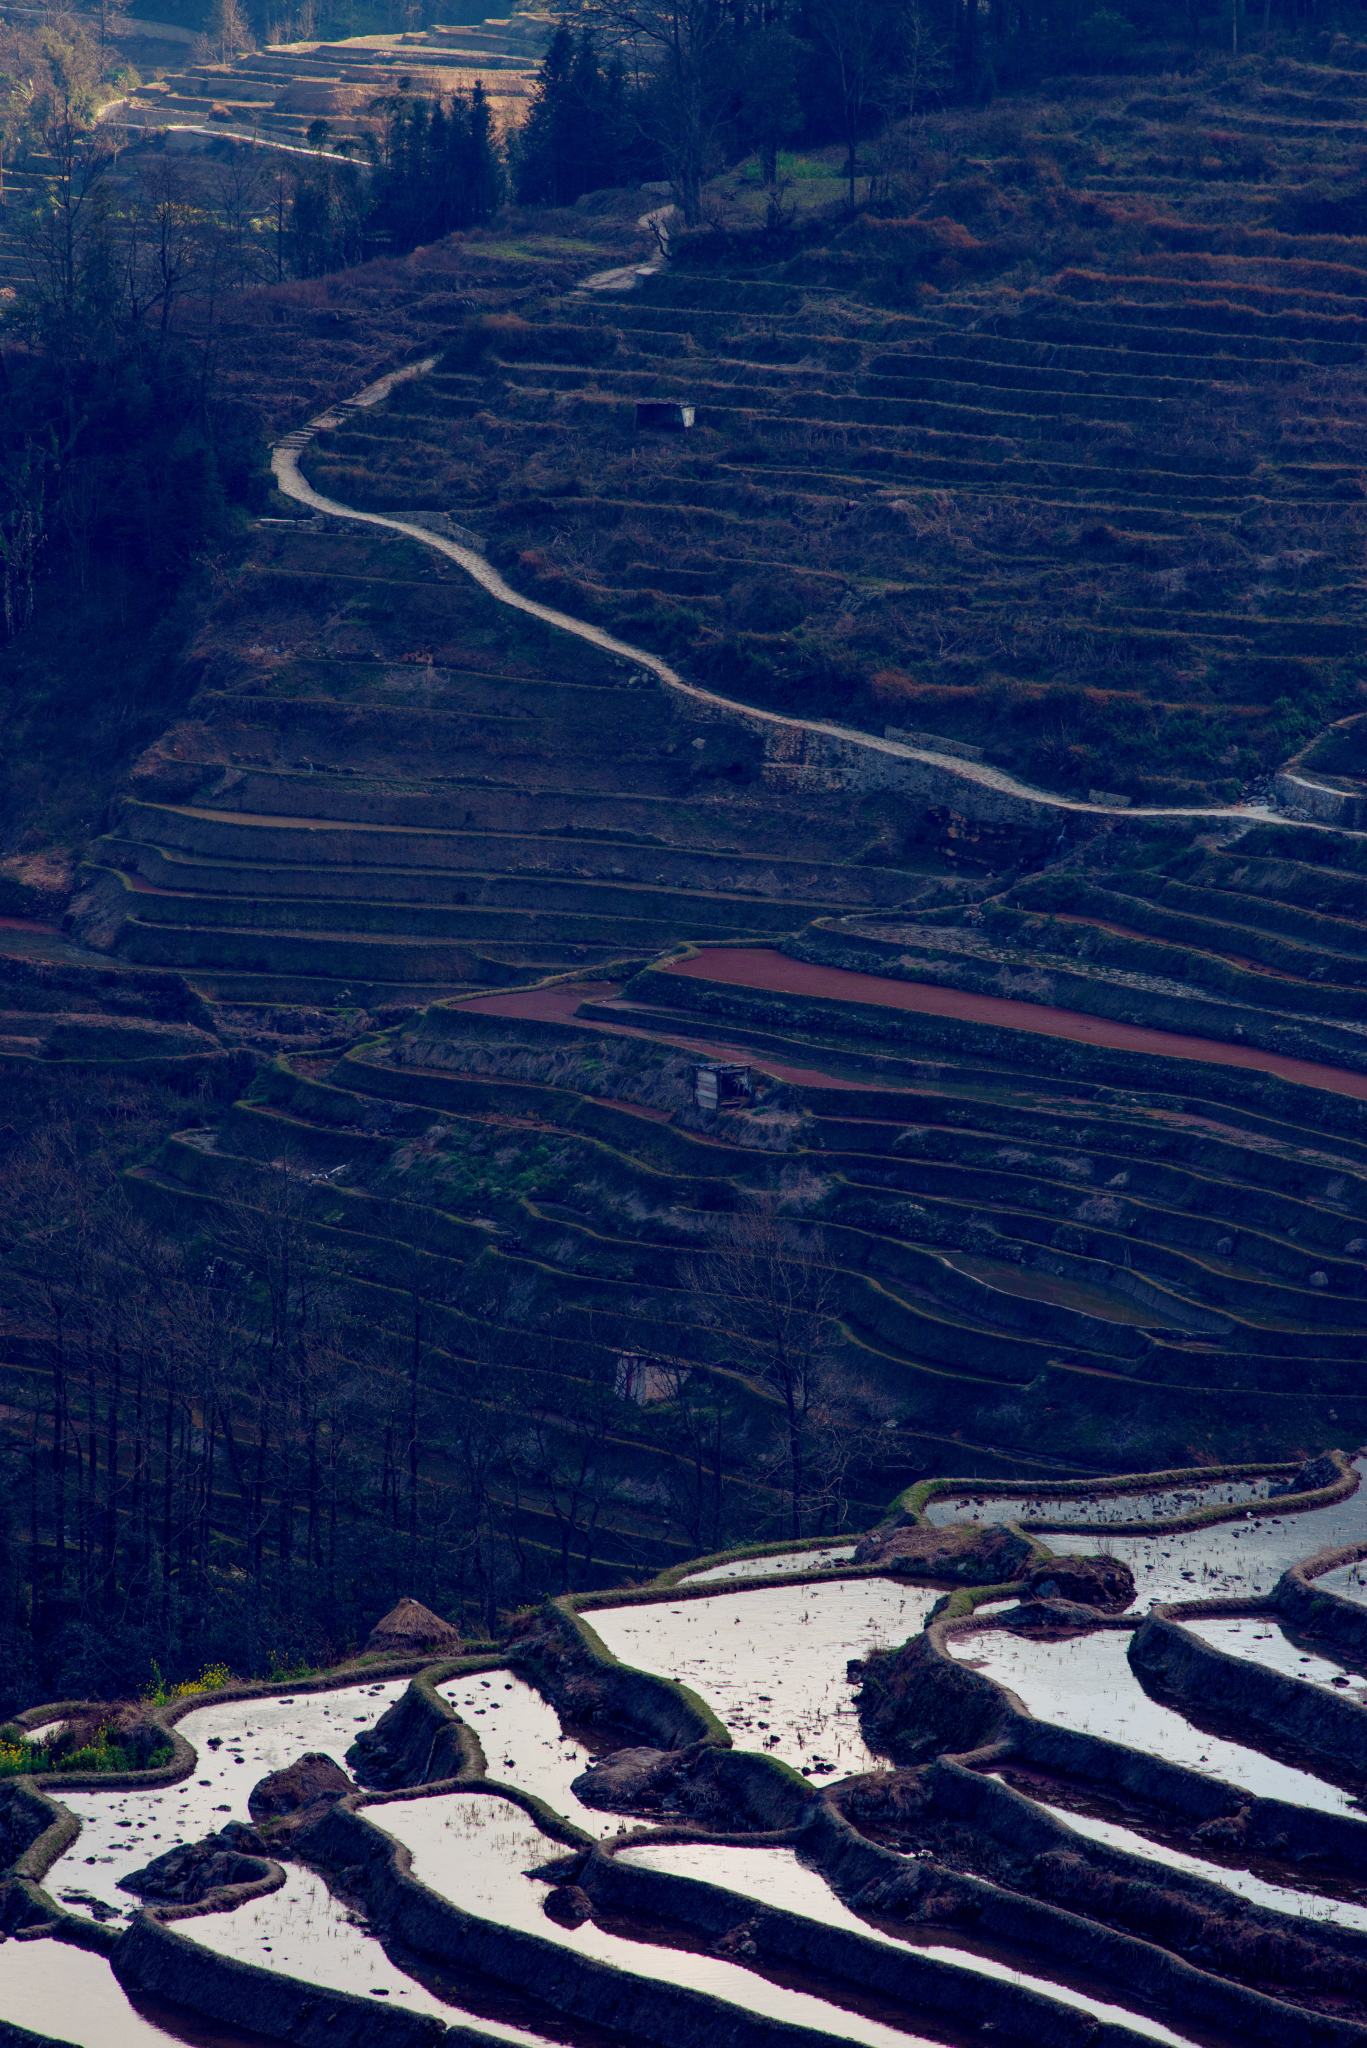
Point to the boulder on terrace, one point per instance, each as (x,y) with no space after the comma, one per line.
(975,1557)
(186,1875)
(306,1787)
(1100,1582)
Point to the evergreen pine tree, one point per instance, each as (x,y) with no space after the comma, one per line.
(584,152)
(485,181)
(541,140)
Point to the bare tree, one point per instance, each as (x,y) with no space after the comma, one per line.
(230,29)
(169,240)
(63,244)
(679,46)
(568,1455)
(859,43)
(768,1288)
(23,534)
(922,68)
(696,1475)
(111,19)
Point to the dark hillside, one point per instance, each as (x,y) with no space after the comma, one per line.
(1051,466)
(1059,452)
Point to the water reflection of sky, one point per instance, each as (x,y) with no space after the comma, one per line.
(771,1664)
(1260,1640)
(1242,1558)
(1280,1897)
(1096,1510)
(525,1745)
(476,1850)
(1085,1684)
(237,1742)
(818,1560)
(775,1877)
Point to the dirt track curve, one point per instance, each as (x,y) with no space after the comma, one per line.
(285,465)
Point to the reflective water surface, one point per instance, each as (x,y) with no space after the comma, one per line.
(476,1849)
(777,1878)
(524,1743)
(817,1560)
(1086,1684)
(771,1664)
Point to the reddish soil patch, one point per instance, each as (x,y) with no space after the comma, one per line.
(762,968)
(558,1004)
(561,1005)
(24,924)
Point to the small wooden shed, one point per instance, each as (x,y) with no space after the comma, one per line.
(714,1086)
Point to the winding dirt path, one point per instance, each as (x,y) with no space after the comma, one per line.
(293,484)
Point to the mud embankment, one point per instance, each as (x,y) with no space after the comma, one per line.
(1025,1847)
(919,1701)
(421,1739)
(851,1962)
(1340,1624)
(1333,1469)
(153,1957)
(666,2016)
(1183,1667)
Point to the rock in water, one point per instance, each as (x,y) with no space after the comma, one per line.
(411,1628)
(974,1557)
(1314,1473)
(307,1787)
(185,1876)
(1100,1582)
(624,1781)
(568,1905)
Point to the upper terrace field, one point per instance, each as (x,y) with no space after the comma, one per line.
(1065,462)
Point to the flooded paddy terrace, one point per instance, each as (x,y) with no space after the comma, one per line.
(874,1901)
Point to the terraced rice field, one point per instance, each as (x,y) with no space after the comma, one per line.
(981,490)
(1238,1559)
(809,1929)
(1025,1258)
(794,1641)
(1100,1201)
(96,2012)
(236,1748)
(1085,1683)
(264,101)
(272,95)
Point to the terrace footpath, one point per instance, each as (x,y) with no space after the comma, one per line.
(838,744)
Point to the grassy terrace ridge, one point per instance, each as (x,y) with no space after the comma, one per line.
(393,785)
